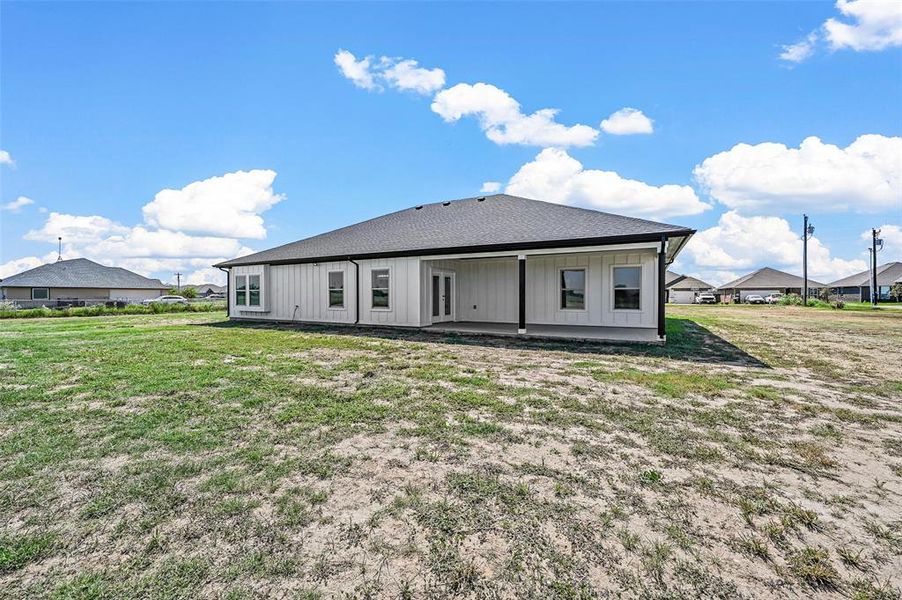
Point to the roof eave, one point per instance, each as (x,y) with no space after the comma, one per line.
(602,241)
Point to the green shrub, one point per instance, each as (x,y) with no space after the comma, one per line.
(818,303)
(791,300)
(101,310)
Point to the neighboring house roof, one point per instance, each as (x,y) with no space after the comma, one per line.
(80,273)
(685,282)
(887,274)
(767,278)
(670,277)
(485,223)
(204,287)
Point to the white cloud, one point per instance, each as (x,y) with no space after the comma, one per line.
(866,176)
(140,242)
(17,265)
(406,75)
(490,187)
(358,71)
(555,176)
(875,25)
(228,205)
(627,121)
(800,50)
(5,158)
(739,243)
(17,204)
(500,117)
(400,73)
(206,275)
(892,243)
(75,229)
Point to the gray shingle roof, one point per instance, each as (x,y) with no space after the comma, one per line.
(80,273)
(685,282)
(887,274)
(469,223)
(767,278)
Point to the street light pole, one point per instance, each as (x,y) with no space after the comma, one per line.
(807,232)
(876,244)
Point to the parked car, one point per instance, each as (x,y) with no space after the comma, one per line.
(166,300)
(773,298)
(706,299)
(754,299)
(215,296)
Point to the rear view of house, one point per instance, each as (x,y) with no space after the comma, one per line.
(497,264)
(76,281)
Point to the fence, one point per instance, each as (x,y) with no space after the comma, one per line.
(67,303)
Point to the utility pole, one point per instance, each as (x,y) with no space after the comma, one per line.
(178,282)
(807,232)
(876,244)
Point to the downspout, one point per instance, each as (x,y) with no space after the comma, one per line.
(356,290)
(662,268)
(228,273)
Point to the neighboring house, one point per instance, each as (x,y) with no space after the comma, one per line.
(78,279)
(857,288)
(682,289)
(496,264)
(767,281)
(207,289)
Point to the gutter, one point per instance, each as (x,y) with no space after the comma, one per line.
(356,290)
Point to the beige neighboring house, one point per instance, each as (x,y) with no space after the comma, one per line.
(207,289)
(766,281)
(683,289)
(78,280)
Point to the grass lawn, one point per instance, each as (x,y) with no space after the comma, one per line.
(758,454)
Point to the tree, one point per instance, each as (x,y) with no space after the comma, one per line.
(896,291)
(189,292)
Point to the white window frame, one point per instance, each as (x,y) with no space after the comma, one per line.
(259,303)
(40,288)
(246,290)
(560,288)
(388,289)
(344,294)
(641,291)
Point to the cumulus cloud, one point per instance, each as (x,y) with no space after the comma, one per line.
(5,158)
(866,176)
(555,176)
(490,187)
(800,51)
(75,229)
(17,265)
(404,74)
(17,204)
(871,25)
(407,75)
(503,122)
(228,205)
(358,71)
(627,121)
(206,275)
(742,243)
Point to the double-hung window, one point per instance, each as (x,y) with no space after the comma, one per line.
(627,288)
(247,290)
(573,289)
(380,287)
(336,289)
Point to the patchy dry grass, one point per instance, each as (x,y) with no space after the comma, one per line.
(170,456)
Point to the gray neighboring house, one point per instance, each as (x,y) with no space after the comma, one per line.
(77,280)
(857,288)
(207,289)
(767,281)
(683,289)
(499,265)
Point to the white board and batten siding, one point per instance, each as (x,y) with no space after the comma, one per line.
(300,292)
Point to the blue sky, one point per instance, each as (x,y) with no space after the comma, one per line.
(242,112)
